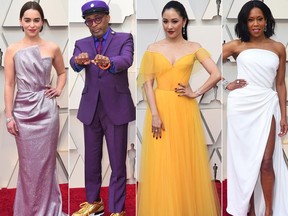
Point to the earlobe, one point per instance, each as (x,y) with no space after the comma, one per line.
(185,21)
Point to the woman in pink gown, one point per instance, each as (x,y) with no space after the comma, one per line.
(32,117)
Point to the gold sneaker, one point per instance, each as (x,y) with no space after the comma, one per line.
(119,214)
(96,208)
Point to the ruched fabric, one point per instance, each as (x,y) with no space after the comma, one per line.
(37,118)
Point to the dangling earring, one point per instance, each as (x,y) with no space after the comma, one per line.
(183,30)
(265,28)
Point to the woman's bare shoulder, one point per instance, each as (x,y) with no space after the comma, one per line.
(50,45)
(279,46)
(192,45)
(156,46)
(13,48)
(276,47)
(233,43)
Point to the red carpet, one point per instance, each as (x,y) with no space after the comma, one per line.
(77,196)
(224,198)
(7,199)
(222,188)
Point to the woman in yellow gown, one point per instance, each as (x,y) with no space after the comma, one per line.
(174,174)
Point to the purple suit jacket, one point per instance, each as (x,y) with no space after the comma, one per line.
(113,87)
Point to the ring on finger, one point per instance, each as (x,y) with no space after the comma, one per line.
(238,81)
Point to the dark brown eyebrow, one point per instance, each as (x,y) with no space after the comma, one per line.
(171,19)
(27,18)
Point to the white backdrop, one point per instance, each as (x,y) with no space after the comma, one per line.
(143,20)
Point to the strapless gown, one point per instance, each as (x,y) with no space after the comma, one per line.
(37,118)
(174,174)
(249,112)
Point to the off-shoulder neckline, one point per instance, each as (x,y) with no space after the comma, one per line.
(160,53)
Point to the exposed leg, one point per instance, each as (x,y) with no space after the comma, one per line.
(267,172)
(252,207)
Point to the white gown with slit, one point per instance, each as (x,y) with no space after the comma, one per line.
(249,112)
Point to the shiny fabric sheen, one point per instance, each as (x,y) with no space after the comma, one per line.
(37,118)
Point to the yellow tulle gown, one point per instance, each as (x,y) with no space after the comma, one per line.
(174,175)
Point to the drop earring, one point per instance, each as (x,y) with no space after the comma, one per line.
(183,30)
(265,28)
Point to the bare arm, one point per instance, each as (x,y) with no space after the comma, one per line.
(9,82)
(214,77)
(228,50)
(9,90)
(157,124)
(281,89)
(58,64)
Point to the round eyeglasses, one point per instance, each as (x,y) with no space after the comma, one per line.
(97,20)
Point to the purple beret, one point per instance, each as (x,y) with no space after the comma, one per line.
(92,7)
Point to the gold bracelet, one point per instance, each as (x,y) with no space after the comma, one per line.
(106,67)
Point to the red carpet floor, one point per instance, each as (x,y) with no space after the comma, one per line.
(7,199)
(77,196)
(224,198)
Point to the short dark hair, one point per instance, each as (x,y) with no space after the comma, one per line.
(32,5)
(241,28)
(181,11)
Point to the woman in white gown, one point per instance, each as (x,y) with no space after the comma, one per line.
(256,113)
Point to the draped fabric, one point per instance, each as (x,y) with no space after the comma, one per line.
(174,173)
(37,119)
(250,111)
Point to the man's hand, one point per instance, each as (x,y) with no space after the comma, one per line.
(101,61)
(82,59)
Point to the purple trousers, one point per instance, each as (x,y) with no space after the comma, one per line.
(116,139)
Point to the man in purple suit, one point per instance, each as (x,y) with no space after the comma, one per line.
(106,106)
